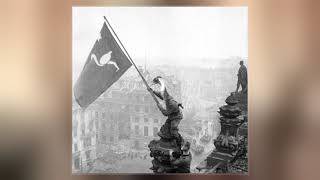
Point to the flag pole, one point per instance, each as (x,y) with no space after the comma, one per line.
(143,79)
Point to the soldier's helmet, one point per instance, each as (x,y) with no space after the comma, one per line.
(163,90)
(156,80)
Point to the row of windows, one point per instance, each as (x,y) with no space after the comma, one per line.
(95,114)
(145,120)
(88,114)
(104,138)
(137,98)
(91,123)
(146,130)
(109,126)
(145,109)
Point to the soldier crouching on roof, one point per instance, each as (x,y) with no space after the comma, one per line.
(172,110)
(182,163)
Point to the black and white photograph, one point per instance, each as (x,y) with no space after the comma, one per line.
(160,90)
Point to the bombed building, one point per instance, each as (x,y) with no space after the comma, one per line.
(123,118)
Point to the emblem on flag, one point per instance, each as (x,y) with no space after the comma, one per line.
(105,64)
(105,59)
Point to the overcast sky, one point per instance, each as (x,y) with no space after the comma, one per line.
(164,35)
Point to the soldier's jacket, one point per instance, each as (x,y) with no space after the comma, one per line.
(182,164)
(172,109)
(242,74)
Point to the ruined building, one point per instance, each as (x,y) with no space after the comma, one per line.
(124,118)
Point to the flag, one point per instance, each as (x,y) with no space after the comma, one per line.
(105,64)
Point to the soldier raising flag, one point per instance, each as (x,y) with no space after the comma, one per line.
(171,110)
(106,63)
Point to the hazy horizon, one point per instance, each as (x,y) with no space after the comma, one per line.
(176,36)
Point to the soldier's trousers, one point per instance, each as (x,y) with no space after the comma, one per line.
(174,127)
(174,130)
(243,86)
(170,130)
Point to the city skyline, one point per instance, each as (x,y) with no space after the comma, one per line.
(197,36)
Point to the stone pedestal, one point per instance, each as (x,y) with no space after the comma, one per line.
(160,149)
(229,145)
(160,152)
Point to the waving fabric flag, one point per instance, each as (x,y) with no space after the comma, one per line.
(105,64)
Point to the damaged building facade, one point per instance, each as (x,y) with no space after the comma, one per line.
(124,118)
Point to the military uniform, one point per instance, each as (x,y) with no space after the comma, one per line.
(182,164)
(242,78)
(173,112)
